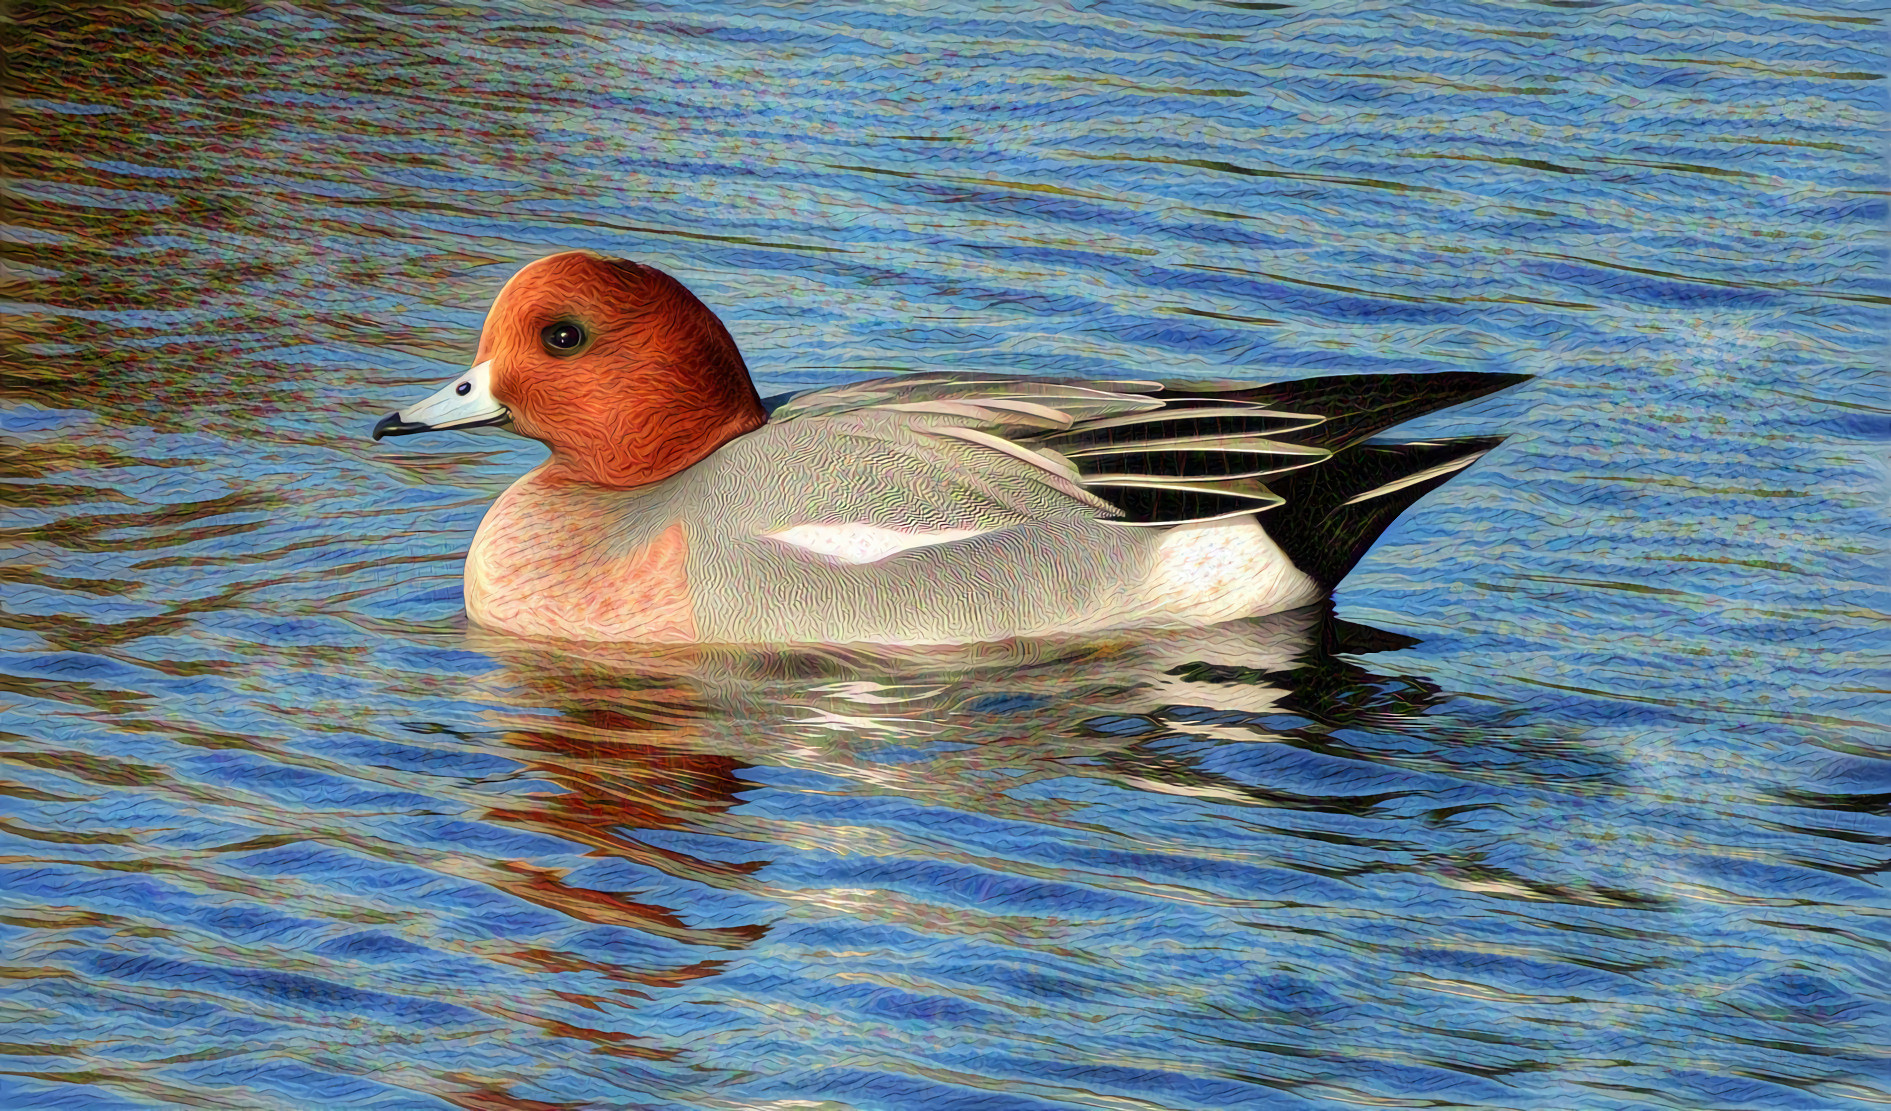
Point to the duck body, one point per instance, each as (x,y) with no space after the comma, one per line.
(855,527)
(925,509)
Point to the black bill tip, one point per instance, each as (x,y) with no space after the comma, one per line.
(393,425)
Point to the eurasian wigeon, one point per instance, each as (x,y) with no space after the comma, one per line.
(922,509)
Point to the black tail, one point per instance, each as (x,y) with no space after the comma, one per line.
(1360,405)
(1335,511)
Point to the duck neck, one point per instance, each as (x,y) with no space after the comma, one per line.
(659,442)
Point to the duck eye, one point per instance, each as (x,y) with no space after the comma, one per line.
(463,388)
(563,337)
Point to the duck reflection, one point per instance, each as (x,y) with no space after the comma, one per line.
(648,741)
(853,813)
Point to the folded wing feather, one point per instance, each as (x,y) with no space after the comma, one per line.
(1159,453)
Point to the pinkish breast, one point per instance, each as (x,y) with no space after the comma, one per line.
(543,564)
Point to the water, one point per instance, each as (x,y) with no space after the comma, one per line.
(1600,823)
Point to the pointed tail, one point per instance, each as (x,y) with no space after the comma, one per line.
(1335,512)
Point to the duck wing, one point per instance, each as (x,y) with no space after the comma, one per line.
(1355,406)
(1168,453)
(1072,399)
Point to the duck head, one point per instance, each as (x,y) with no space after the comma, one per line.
(613,365)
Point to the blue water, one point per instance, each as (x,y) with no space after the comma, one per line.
(1599,821)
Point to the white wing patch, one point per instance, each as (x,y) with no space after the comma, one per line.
(860,543)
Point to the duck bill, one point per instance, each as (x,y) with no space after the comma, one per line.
(465,402)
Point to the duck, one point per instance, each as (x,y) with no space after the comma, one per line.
(676,505)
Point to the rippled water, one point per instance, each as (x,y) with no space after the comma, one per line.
(1582,804)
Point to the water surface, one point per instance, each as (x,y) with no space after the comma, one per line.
(1579,801)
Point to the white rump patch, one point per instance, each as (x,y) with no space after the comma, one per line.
(1213,571)
(860,543)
